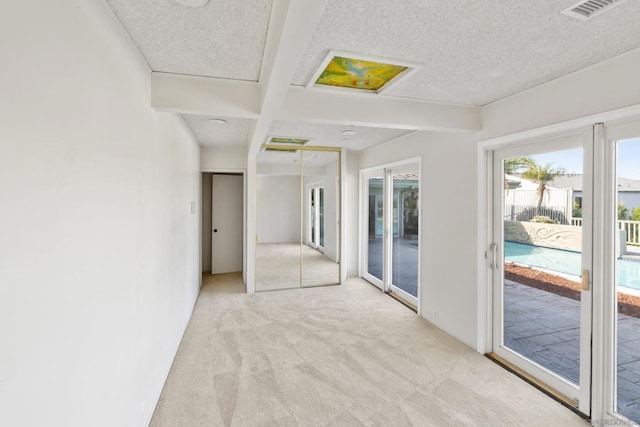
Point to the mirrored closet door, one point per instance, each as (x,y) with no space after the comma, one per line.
(298,217)
(320,218)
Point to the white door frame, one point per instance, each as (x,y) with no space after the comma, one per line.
(603,367)
(242,172)
(386,170)
(605,373)
(582,391)
(364,225)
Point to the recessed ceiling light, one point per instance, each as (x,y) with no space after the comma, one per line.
(191,3)
(348,132)
(218,122)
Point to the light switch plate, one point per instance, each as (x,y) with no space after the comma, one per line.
(193,207)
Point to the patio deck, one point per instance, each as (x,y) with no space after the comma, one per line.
(544,327)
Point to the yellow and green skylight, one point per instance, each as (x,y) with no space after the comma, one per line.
(358,74)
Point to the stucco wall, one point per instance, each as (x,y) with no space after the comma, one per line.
(557,236)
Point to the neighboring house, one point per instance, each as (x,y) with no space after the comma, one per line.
(628,189)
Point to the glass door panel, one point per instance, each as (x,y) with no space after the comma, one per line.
(390,230)
(627,283)
(540,321)
(373,234)
(404,252)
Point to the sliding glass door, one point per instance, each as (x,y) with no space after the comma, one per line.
(564,257)
(621,291)
(390,229)
(404,242)
(541,258)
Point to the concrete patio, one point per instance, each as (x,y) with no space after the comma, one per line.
(544,327)
(405,263)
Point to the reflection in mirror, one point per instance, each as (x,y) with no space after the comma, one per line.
(278,220)
(320,218)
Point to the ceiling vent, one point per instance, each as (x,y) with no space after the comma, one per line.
(588,9)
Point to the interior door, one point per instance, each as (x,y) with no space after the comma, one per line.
(541,260)
(226,220)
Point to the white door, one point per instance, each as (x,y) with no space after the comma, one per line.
(226,223)
(541,308)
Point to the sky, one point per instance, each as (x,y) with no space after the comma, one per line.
(628,162)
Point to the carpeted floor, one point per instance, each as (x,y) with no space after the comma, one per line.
(339,355)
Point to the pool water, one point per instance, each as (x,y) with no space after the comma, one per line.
(567,262)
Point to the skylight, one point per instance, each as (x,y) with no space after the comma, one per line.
(359,72)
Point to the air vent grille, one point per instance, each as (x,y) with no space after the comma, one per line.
(590,8)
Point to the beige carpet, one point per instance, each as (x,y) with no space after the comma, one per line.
(278,267)
(340,356)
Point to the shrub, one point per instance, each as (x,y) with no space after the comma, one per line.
(577,210)
(544,220)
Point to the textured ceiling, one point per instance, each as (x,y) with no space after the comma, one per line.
(474,52)
(233,134)
(225,38)
(309,158)
(327,135)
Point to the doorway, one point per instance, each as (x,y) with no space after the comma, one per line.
(222,222)
(563,261)
(226,223)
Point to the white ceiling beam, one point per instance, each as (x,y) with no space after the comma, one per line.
(291,27)
(367,109)
(232,98)
(179,93)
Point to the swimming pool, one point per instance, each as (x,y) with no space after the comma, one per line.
(566,262)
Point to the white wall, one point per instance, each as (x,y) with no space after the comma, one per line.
(206,222)
(350,257)
(98,249)
(278,209)
(448,227)
(222,159)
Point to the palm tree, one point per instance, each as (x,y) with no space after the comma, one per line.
(515,165)
(542,175)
